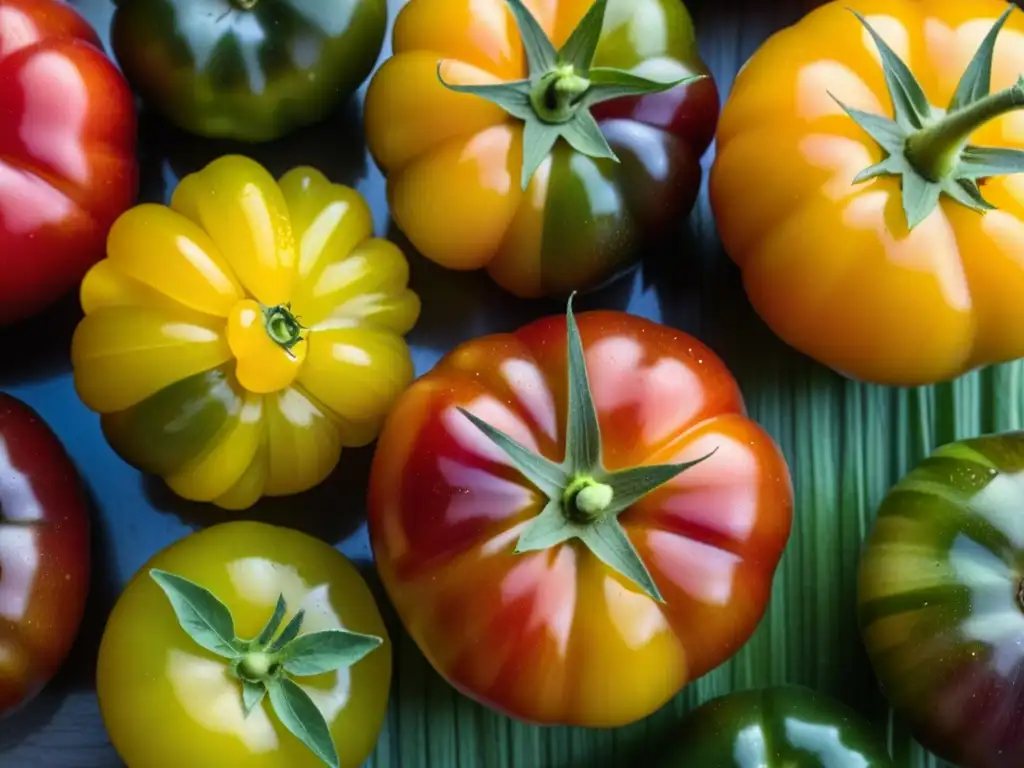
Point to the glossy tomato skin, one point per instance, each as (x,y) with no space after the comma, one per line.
(555,636)
(779,727)
(941,600)
(829,264)
(453,160)
(67,152)
(167,701)
(44,553)
(250,70)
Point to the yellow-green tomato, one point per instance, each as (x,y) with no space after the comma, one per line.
(172,697)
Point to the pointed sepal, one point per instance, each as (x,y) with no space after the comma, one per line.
(582,435)
(608,84)
(976,82)
(548,529)
(513,97)
(628,486)
(982,162)
(581,46)
(541,55)
(608,540)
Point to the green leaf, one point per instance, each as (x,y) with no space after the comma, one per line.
(272,625)
(982,162)
(584,135)
(289,633)
(300,715)
(608,84)
(541,55)
(920,198)
(608,541)
(890,136)
(513,97)
(582,435)
(538,140)
(910,106)
(966,192)
(630,485)
(203,617)
(550,478)
(326,651)
(548,529)
(976,82)
(252,695)
(579,49)
(893,165)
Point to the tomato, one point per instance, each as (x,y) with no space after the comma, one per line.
(167,699)
(941,600)
(780,727)
(588,589)
(67,153)
(44,553)
(882,241)
(628,95)
(235,341)
(250,70)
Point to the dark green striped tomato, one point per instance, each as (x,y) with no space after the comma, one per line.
(781,727)
(941,601)
(552,157)
(250,70)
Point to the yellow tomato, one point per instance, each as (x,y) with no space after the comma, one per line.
(235,341)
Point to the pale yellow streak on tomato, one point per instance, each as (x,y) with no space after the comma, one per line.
(264,366)
(122,355)
(105,285)
(303,443)
(517,264)
(168,252)
(408,111)
(479,175)
(244,212)
(249,487)
(218,469)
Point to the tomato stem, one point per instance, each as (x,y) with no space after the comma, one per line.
(282,326)
(256,666)
(585,499)
(558,94)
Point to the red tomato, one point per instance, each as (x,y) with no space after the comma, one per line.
(44,553)
(67,153)
(555,635)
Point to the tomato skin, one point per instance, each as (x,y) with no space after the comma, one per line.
(44,553)
(453,161)
(166,701)
(555,636)
(67,153)
(830,265)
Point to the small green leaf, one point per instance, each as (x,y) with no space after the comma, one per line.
(579,49)
(549,477)
(910,106)
(890,136)
(513,97)
(976,82)
(273,624)
(582,435)
(300,715)
(893,165)
(203,617)
(608,84)
(982,162)
(547,529)
(608,541)
(289,633)
(920,198)
(541,55)
(539,139)
(630,485)
(326,651)
(584,135)
(252,695)
(966,192)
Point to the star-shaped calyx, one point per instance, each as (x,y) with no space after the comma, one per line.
(927,148)
(584,499)
(555,100)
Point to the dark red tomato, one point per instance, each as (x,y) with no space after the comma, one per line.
(67,152)
(44,553)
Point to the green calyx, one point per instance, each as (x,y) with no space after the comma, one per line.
(266,664)
(244,5)
(555,100)
(927,148)
(585,499)
(282,326)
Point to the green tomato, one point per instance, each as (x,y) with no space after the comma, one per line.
(250,70)
(781,727)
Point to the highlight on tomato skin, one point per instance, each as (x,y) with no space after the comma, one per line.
(44,553)
(578,558)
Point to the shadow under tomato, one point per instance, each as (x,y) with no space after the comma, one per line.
(39,347)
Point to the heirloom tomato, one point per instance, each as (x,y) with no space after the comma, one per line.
(44,553)
(781,727)
(941,600)
(574,521)
(236,340)
(67,153)
(250,70)
(465,121)
(864,183)
(248,645)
